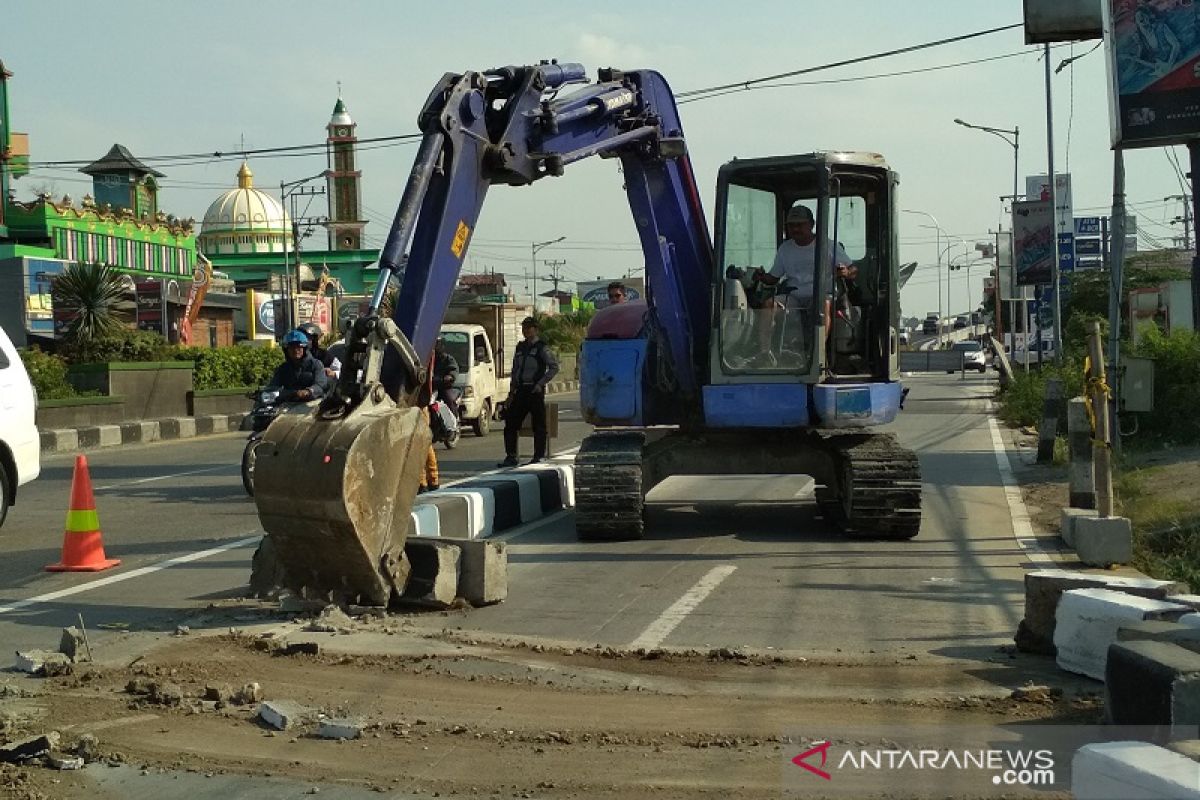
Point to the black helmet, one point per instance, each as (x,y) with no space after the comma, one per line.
(312,330)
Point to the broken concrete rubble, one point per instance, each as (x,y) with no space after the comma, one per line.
(32,747)
(331,620)
(434,578)
(43,662)
(283,714)
(71,644)
(343,728)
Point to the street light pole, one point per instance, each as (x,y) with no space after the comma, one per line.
(286,190)
(937,226)
(1015,144)
(533,251)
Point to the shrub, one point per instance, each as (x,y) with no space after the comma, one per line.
(125,344)
(47,373)
(230,367)
(1023,402)
(1176,378)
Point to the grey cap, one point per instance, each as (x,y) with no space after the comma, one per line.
(800,214)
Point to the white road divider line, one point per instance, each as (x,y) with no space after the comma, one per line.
(669,620)
(1022,529)
(165,477)
(133,573)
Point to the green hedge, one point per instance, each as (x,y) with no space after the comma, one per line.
(230,367)
(1023,402)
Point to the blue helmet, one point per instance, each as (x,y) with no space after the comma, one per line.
(295,337)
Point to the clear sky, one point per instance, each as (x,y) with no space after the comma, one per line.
(166,78)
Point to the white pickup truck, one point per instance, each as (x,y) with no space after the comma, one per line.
(482,338)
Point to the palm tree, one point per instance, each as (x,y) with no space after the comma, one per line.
(565,332)
(91,293)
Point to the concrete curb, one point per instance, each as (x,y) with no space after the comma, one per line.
(495,502)
(561,387)
(66,440)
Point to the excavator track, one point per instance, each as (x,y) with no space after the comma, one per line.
(881,487)
(608,486)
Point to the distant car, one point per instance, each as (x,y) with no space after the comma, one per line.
(973,356)
(961,322)
(20,445)
(904,336)
(929,326)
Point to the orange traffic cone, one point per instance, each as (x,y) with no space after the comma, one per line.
(83,547)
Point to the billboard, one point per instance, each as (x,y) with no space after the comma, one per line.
(1061,20)
(597,291)
(1033,242)
(1152,49)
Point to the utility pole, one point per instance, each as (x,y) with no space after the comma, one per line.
(555,273)
(533,251)
(1186,219)
(1194,174)
(1056,282)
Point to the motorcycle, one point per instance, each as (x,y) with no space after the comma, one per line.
(267,407)
(443,421)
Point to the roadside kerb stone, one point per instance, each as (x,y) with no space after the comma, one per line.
(426,520)
(1088,621)
(1186,747)
(178,427)
(482,571)
(1191,620)
(1103,541)
(59,440)
(1152,683)
(283,714)
(1192,601)
(1066,528)
(1044,587)
(340,729)
(143,431)
(212,423)
(1127,770)
(434,577)
(99,435)
(1162,631)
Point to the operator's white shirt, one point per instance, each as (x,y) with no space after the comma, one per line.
(795,263)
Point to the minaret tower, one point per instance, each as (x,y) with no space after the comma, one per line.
(345,190)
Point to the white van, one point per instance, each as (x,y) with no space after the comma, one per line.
(20,445)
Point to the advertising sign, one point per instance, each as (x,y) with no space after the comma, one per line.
(1087,248)
(597,291)
(39,304)
(150,306)
(1061,20)
(1087,226)
(1033,242)
(1152,55)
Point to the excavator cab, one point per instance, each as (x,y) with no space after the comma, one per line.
(803,323)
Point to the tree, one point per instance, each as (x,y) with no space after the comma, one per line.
(91,294)
(565,332)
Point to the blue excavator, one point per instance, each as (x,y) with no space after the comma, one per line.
(722,369)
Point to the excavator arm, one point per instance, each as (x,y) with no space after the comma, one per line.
(334,487)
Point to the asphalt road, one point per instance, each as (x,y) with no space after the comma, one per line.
(756,572)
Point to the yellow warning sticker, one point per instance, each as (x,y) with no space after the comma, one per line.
(460,239)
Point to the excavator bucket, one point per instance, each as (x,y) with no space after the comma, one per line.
(335,494)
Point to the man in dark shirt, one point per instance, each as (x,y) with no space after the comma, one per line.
(534,366)
(445,372)
(300,377)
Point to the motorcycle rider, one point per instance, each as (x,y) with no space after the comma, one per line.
(313,331)
(301,377)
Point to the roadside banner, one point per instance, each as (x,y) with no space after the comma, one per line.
(1033,242)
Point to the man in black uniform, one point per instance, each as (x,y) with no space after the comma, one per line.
(534,366)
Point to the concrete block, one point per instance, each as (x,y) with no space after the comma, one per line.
(33,747)
(1191,620)
(565,474)
(340,729)
(283,714)
(211,423)
(1044,587)
(1162,631)
(482,571)
(1132,771)
(530,490)
(465,513)
(1152,683)
(1186,747)
(71,644)
(143,431)
(99,435)
(62,440)
(434,577)
(1192,601)
(506,497)
(1088,621)
(177,427)
(1101,541)
(426,521)
(1066,526)
(43,662)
